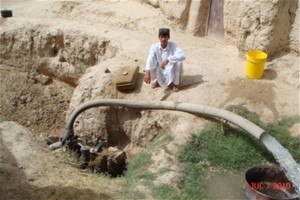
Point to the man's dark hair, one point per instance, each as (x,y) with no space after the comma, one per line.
(164,32)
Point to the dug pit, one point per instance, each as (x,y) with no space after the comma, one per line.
(40,68)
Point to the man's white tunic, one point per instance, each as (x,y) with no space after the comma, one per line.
(157,55)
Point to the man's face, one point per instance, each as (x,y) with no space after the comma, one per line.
(163,40)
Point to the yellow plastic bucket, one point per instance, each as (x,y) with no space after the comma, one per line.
(255,63)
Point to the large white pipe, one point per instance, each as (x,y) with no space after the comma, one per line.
(292,171)
(164,105)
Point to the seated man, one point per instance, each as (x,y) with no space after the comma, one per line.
(164,66)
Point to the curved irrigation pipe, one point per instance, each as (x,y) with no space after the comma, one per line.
(163,105)
(290,166)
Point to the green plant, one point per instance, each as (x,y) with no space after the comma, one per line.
(280,131)
(216,145)
(138,174)
(232,149)
(165,192)
(139,165)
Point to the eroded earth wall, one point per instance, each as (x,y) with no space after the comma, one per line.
(54,52)
(295,32)
(266,25)
(269,25)
(40,66)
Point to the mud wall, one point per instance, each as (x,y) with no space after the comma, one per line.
(269,25)
(197,18)
(231,22)
(53,52)
(266,25)
(295,30)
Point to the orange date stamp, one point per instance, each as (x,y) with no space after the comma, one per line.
(271,185)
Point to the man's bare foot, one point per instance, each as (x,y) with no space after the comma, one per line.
(175,88)
(154,84)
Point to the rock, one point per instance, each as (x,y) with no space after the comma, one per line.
(110,160)
(55,146)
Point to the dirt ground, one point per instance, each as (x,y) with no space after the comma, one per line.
(33,104)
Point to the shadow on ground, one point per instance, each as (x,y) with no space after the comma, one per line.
(188,82)
(269,74)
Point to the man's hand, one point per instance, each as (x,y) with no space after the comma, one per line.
(147,77)
(164,63)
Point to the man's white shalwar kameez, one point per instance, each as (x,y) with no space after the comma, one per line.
(173,71)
